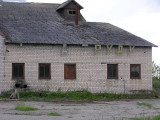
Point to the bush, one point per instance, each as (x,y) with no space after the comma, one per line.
(156,86)
(156,83)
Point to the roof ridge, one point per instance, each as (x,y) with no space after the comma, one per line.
(29,3)
(66,3)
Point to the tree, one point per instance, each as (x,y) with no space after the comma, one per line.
(155,69)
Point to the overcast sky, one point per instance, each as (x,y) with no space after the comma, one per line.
(140,17)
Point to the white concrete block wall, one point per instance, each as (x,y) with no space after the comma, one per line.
(1,62)
(91,73)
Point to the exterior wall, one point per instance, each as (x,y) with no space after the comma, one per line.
(91,68)
(1,62)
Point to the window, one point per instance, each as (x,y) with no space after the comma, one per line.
(44,71)
(135,71)
(71,12)
(112,71)
(69,71)
(17,70)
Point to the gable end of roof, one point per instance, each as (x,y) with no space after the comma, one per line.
(66,3)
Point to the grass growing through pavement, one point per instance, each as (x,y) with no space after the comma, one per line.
(74,95)
(145,104)
(154,118)
(54,114)
(22,107)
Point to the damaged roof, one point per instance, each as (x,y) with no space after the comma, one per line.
(40,23)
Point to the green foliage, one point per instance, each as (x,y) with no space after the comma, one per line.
(156,83)
(148,118)
(156,118)
(22,107)
(54,114)
(156,86)
(145,104)
(140,118)
(77,95)
(5,94)
(155,68)
(74,95)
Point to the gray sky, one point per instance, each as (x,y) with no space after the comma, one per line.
(140,17)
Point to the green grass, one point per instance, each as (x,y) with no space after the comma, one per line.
(74,95)
(54,114)
(82,95)
(145,104)
(22,107)
(148,118)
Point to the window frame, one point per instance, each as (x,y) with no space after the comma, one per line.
(75,67)
(139,71)
(108,71)
(72,10)
(18,78)
(44,78)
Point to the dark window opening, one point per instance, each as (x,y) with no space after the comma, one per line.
(69,71)
(17,70)
(44,71)
(135,71)
(71,12)
(112,71)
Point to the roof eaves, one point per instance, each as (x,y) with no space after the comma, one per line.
(66,3)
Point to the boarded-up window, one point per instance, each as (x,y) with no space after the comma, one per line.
(44,71)
(135,71)
(112,71)
(69,71)
(17,71)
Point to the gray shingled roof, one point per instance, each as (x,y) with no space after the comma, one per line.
(35,23)
(29,11)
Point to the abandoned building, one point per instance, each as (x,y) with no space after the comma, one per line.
(52,46)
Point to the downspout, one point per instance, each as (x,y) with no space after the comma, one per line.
(77,15)
(4,59)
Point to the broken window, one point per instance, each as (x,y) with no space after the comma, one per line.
(69,71)
(112,71)
(17,70)
(44,71)
(135,71)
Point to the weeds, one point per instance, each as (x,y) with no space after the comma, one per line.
(145,104)
(22,107)
(148,118)
(54,114)
(156,86)
(5,94)
(74,95)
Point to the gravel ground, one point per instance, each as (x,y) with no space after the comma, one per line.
(98,110)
